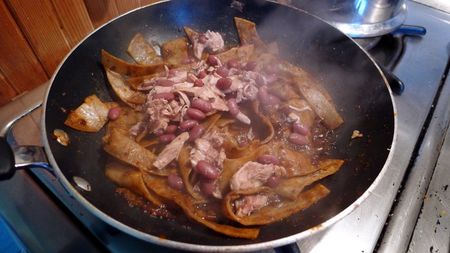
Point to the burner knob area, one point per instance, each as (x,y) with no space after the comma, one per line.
(7,163)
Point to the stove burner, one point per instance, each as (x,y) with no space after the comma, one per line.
(386,49)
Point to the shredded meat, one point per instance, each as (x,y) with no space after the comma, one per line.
(209,148)
(211,40)
(253,174)
(248,204)
(171,151)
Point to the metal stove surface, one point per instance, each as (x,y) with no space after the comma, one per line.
(48,220)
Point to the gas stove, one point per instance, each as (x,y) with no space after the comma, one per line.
(407,212)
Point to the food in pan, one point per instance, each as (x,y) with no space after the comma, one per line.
(235,137)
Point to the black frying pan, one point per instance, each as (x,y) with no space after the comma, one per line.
(355,82)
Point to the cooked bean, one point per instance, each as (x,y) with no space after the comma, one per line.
(266,98)
(202,74)
(191,78)
(206,169)
(175,181)
(224,83)
(251,65)
(164,82)
(260,80)
(222,71)
(194,113)
(212,60)
(198,83)
(233,63)
(268,159)
(202,105)
(202,39)
(169,96)
(273,181)
(233,106)
(171,129)
(166,138)
(299,128)
(196,132)
(114,113)
(188,124)
(207,187)
(298,139)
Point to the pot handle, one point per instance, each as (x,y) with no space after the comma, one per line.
(397,85)
(20,157)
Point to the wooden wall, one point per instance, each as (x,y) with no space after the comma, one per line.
(37,34)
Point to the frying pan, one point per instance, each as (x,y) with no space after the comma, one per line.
(357,85)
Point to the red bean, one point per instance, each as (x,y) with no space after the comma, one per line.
(266,98)
(224,83)
(260,80)
(202,74)
(202,39)
(298,139)
(268,159)
(207,187)
(169,96)
(198,83)
(233,63)
(233,106)
(299,128)
(166,138)
(212,60)
(196,132)
(251,65)
(222,71)
(114,113)
(188,124)
(175,181)
(195,114)
(171,129)
(191,78)
(207,170)
(273,181)
(202,105)
(164,82)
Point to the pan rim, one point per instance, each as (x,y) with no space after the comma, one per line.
(71,190)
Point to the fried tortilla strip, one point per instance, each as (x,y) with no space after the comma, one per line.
(317,97)
(186,202)
(185,166)
(127,119)
(90,116)
(123,91)
(126,150)
(120,66)
(142,51)
(247,32)
(243,53)
(265,123)
(291,188)
(175,52)
(190,33)
(127,177)
(269,214)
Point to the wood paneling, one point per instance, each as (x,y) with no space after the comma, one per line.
(40,26)
(18,63)
(6,91)
(147,2)
(74,19)
(127,5)
(101,11)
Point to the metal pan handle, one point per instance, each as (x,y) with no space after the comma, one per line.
(13,158)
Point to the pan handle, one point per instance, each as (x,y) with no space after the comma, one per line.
(20,157)
(290,248)
(397,85)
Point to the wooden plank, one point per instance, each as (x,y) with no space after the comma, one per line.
(74,19)
(127,5)
(147,2)
(18,63)
(40,25)
(101,11)
(7,92)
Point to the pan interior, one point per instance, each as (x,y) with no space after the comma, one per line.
(346,71)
